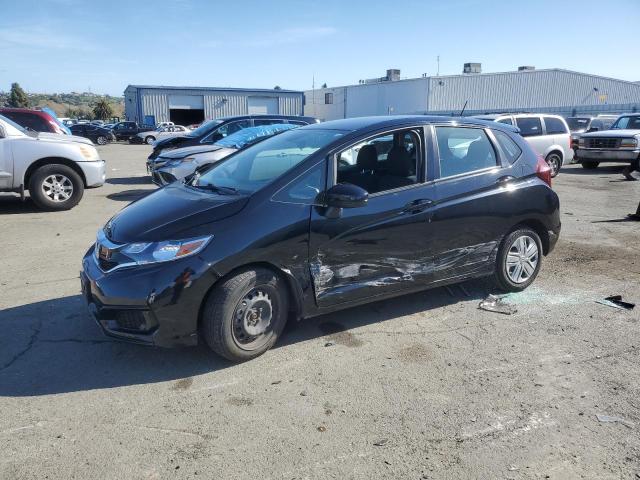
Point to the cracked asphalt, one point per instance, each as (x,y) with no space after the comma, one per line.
(422,386)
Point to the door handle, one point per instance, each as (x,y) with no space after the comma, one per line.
(417,206)
(504,180)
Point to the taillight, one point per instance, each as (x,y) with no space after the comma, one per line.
(543,170)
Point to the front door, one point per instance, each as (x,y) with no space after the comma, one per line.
(384,246)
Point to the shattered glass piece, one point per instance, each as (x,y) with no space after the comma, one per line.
(497,304)
(613,419)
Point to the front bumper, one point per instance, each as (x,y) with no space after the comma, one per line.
(151,305)
(94,173)
(602,155)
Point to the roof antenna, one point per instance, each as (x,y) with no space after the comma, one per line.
(463,108)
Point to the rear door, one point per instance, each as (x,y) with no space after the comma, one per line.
(531,130)
(558,130)
(473,205)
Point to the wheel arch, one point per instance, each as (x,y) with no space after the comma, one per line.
(538,227)
(293,287)
(555,149)
(52,161)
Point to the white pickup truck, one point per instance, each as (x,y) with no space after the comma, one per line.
(55,169)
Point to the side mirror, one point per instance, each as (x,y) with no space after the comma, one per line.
(346,195)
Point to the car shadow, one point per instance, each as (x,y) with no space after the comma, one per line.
(129,195)
(54,346)
(145,180)
(13,205)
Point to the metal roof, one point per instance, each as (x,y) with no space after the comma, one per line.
(212,89)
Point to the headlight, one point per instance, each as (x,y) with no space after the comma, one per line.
(88,152)
(629,142)
(155,252)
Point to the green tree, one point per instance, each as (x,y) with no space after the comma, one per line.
(102,110)
(18,97)
(277,87)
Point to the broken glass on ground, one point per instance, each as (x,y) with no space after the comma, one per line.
(613,419)
(496,304)
(615,301)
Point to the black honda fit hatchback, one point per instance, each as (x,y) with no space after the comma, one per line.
(317,219)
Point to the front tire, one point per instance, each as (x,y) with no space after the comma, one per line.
(56,187)
(590,165)
(554,160)
(244,315)
(519,260)
(149,140)
(101,140)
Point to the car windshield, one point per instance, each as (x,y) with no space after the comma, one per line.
(578,123)
(260,164)
(26,131)
(248,135)
(629,122)
(203,129)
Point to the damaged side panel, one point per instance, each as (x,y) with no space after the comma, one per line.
(346,282)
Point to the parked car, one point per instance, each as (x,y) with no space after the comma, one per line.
(127,130)
(213,130)
(547,134)
(95,133)
(36,120)
(97,122)
(586,124)
(160,133)
(618,144)
(55,169)
(287,228)
(181,162)
(164,124)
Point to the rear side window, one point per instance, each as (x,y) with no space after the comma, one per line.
(529,126)
(554,125)
(505,120)
(509,147)
(464,150)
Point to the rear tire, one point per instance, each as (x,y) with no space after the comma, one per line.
(244,315)
(55,187)
(519,260)
(590,165)
(554,160)
(101,140)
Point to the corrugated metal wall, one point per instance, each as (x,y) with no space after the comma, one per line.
(217,103)
(552,91)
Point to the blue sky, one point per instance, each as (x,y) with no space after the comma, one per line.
(74,45)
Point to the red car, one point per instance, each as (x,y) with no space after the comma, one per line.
(34,119)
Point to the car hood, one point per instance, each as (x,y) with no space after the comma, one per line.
(169,213)
(58,137)
(186,151)
(612,133)
(171,142)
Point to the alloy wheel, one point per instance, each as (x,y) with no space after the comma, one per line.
(57,187)
(522,259)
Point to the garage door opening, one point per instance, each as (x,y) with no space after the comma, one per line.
(186,117)
(263,105)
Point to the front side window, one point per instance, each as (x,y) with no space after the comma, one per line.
(511,150)
(258,165)
(554,126)
(529,126)
(381,163)
(225,130)
(464,150)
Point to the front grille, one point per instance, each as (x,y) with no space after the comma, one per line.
(602,142)
(109,255)
(132,320)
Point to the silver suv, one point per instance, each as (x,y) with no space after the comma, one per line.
(54,168)
(547,134)
(619,144)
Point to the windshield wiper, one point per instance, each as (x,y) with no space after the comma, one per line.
(216,188)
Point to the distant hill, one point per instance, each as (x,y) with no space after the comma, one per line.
(74,104)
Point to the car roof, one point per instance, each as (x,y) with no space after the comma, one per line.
(39,113)
(358,123)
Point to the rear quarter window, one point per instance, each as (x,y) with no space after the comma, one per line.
(554,126)
(509,148)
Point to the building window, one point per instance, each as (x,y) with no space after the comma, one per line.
(328,98)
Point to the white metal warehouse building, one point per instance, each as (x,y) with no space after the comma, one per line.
(188,105)
(557,91)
